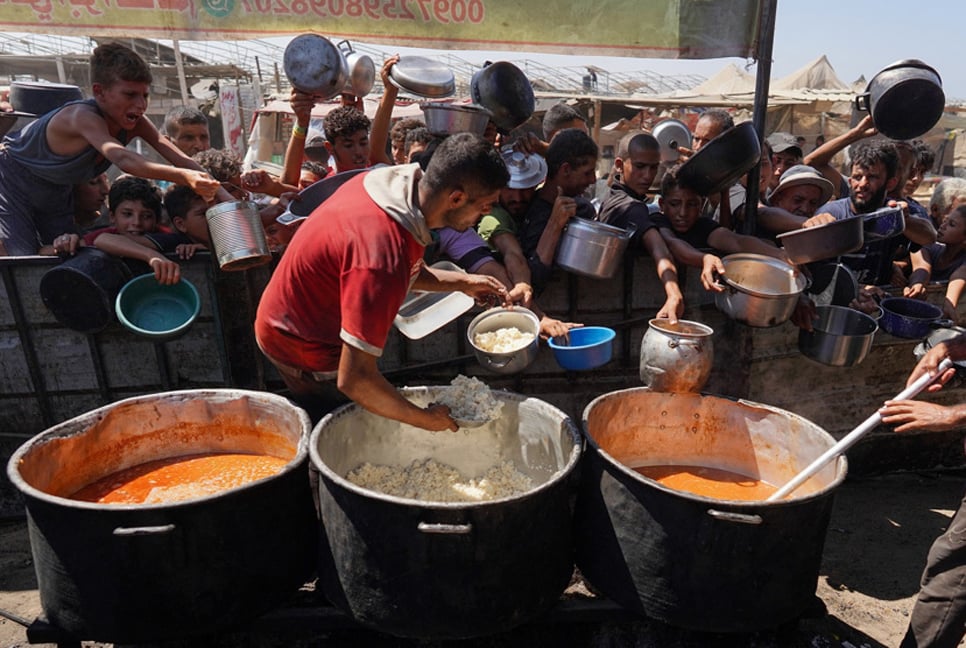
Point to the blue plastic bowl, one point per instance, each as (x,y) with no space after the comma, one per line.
(590,347)
(156,311)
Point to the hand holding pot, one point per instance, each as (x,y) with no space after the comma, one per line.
(66,244)
(203,184)
(711,269)
(564,208)
(302,103)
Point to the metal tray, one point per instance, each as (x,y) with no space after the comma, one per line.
(424,312)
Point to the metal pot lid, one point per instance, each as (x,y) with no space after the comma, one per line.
(671,134)
(526,171)
(423,76)
(315,66)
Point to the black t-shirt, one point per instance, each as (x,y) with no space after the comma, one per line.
(622,207)
(697,236)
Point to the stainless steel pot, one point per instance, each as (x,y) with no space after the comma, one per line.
(676,357)
(315,66)
(362,71)
(145,573)
(591,248)
(496,318)
(446,118)
(759,290)
(418,568)
(905,99)
(823,241)
(423,76)
(689,560)
(840,336)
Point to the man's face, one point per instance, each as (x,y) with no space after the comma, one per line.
(869,187)
(350,152)
(134,218)
(89,199)
(123,102)
(704,131)
(192,138)
(575,180)
(516,201)
(194,223)
(398,147)
(472,206)
(639,169)
(780,163)
(801,200)
(682,207)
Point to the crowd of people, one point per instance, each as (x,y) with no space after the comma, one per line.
(495,206)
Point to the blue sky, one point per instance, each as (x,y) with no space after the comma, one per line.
(858,37)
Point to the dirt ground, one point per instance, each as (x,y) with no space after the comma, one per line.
(880,532)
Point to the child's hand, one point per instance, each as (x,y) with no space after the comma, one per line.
(202,184)
(166,271)
(187,250)
(386,66)
(67,244)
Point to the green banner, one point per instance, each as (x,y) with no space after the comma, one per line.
(639,28)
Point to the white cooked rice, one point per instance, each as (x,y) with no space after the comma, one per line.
(503,340)
(432,481)
(470,399)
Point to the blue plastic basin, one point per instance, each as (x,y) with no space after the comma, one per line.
(589,347)
(157,311)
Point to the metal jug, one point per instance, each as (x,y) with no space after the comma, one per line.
(676,357)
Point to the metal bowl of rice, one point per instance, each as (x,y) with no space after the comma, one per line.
(505,340)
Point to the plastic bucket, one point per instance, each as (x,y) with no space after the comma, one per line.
(80,292)
(237,235)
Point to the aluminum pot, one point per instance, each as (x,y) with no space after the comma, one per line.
(676,357)
(315,66)
(445,118)
(80,292)
(518,317)
(905,99)
(910,318)
(840,336)
(688,560)
(759,290)
(825,241)
(721,162)
(136,573)
(417,568)
(362,71)
(504,90)
(591,248)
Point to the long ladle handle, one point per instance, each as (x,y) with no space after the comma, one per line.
(850,439)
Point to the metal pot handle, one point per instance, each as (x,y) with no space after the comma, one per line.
(674,343)
(862,102)
(348,49)
(498,364)
(728,516)
(445,529)
(144,530)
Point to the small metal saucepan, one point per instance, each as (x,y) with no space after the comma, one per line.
(840,336)
(910,318)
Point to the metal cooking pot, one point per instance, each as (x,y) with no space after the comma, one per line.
(676,357)
(685,559)
(905,99)
(362,71)
(80,292)
(760,290)
(417,568)
(423,76)
(591,248)
(445,118)
(936,337)
(504,90)
(144,573)
(884,222)
(723,160)
(237,235)
(518,317)
(910,318)
(39,97)
(832,284)
(315,66)
(671,134)
(840,336)
(821,242)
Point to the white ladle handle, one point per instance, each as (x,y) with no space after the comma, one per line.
(850,439)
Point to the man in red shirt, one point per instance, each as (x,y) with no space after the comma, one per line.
(325,315)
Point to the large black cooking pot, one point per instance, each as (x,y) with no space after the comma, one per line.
(80,292)
(504,90)
(721,162)
(423,569)
(688,560)
(152,572)
(40,97)
(905,99)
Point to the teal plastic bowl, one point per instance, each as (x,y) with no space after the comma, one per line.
(155,311)
(589,348)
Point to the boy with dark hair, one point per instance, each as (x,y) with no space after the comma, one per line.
(347,138)
(398,135)
(40,164)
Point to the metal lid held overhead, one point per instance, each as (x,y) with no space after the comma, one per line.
(671,134)
(422,76)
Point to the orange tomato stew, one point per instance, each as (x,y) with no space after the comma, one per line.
(709,482)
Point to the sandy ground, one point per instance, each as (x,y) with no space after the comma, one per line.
(880,531)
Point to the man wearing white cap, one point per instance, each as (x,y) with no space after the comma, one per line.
(499,228)
(800,192)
